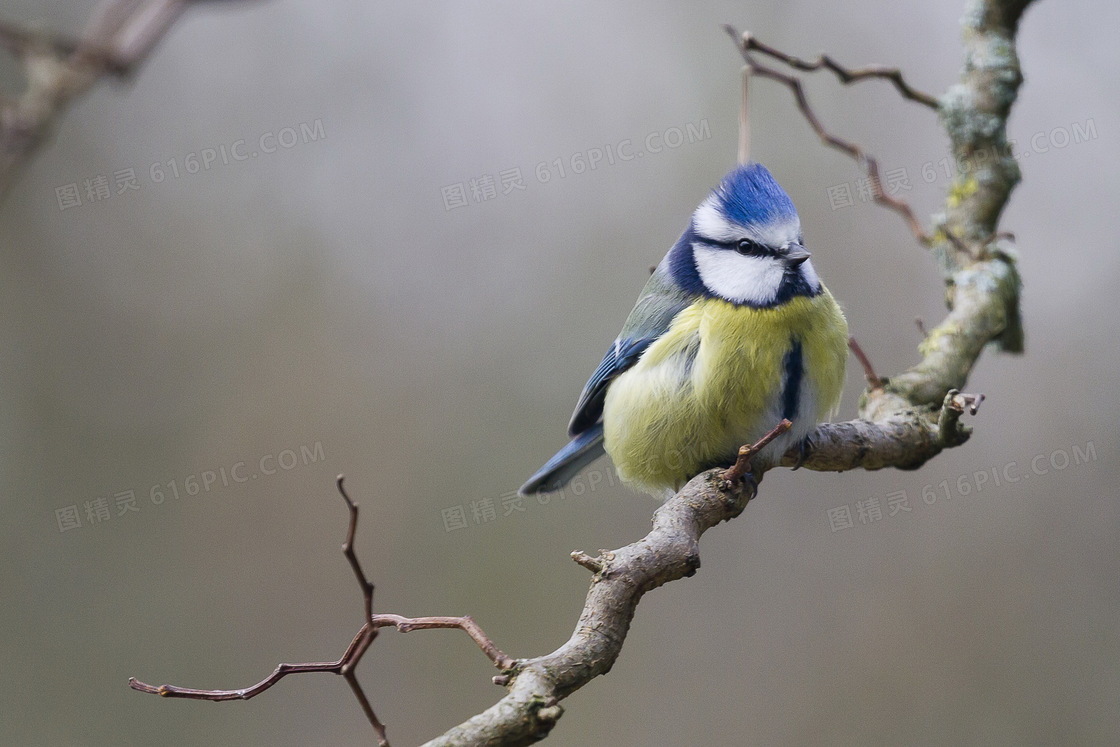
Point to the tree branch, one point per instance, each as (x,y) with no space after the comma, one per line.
(904,421)
(974,114)
(346,664)
(669,552)
(118,37)
(846,75)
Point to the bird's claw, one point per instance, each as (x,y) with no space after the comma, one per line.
(804,450)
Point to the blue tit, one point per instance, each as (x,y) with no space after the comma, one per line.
(733,332)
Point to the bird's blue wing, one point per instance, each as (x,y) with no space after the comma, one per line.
(661,300)
(622,354)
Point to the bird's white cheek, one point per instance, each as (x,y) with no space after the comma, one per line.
(730,275)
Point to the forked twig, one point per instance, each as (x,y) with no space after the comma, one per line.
(950,431)
(847,75)
(346,664)
(746,44)
(353,653)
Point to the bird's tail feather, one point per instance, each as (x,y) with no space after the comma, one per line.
(555,474)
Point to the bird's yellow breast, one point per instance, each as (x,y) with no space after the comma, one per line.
(715,381)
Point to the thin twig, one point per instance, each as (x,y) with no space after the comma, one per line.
(346,664)
(868,162)
(745,118)
(20,42)
(846,75)
(138,34)
(743,462)
(245,693)
(873,380)
(465,623)
(119,36)
(367,709)
(595,565)
(348,548)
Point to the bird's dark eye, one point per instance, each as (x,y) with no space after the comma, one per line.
(748,247)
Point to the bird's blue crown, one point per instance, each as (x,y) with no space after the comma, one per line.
(750,196)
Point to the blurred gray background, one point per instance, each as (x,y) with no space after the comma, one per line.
(339,305)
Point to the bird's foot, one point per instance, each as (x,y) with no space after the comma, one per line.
(804,451)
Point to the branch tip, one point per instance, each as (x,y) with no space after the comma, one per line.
(950,430)
(339,483)
(595,565)
(962,401)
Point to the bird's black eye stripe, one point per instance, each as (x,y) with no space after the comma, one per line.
(746,247)
(752,248)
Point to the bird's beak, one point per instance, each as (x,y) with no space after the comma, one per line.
(795,255)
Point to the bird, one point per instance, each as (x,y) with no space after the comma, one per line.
(733,332)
